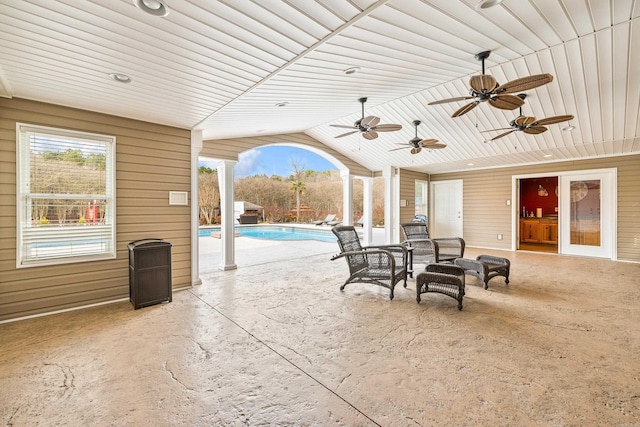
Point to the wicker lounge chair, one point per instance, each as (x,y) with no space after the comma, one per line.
(384,265)
(329,218)
(441,278)
(427,250)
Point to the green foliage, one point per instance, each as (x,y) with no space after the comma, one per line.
(97,161)
(69,155)
(205,169)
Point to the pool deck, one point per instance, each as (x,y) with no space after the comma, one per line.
(251,251)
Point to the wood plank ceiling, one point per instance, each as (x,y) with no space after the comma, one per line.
(222,66)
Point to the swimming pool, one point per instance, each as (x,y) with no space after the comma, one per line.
(272,232)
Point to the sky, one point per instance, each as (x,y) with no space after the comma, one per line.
(275,160)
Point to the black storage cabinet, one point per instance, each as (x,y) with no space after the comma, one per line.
(149,272)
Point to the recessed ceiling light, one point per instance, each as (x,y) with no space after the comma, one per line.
(568,128)
(469,164)
(486,4)
(282,104)
(548,155)
(152,7)
(352,70)
(120,78)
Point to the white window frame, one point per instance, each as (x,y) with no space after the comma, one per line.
(422,208)
(70,241)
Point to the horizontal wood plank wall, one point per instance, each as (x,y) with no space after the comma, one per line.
(486,191)
(151,160)
(408,192)
(229,149)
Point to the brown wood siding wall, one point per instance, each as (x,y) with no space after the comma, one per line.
(486,192)
(408,192)
(151,160)
(229,149)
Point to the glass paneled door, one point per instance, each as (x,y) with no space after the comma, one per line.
(587,214)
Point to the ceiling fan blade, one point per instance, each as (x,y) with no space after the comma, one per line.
(435,146)
(426,142)
(443,101)
(506,102)
(387,128)
(342,126)
(493,130)
(483,83)
(369,121)
(465,109)
(524,120)
(535,130)
(370,134)
(345,134)
(502,134)
(525,83)
(553,120)
(401,148)
(416,150)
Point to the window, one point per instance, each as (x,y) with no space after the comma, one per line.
(421,197)
(65,196)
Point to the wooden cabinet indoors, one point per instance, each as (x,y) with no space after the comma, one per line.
(539,230)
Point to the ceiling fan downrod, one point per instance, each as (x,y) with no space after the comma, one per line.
(482,56)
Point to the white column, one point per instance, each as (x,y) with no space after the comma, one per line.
(367,210)
(196,146)
(227,232)
(347,199)
(390,200)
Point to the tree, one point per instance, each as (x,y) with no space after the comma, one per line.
(208,194)
(297,185)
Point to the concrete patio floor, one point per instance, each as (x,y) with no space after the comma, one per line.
(276,343)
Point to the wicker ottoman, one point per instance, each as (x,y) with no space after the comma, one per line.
(445,279)
(485,267)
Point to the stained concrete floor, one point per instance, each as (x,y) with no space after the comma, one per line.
(278,344)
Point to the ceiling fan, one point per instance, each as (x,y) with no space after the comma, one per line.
(529,124)
(485,88)
(417,144)
(368,126)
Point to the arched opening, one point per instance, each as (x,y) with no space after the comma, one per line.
(261,251)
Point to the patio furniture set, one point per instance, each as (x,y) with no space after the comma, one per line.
(446,267)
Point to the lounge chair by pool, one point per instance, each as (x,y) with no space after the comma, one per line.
(328,219)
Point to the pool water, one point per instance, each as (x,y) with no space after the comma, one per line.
(277,233)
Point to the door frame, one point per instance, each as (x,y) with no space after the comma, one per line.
(515,214)
(608,224)
(433,229)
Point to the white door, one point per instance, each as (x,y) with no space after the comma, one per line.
(446,209)
(587,213)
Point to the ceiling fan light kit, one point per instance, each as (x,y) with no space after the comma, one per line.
(367,126)
(529,124)
(417,144)
(485,88)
